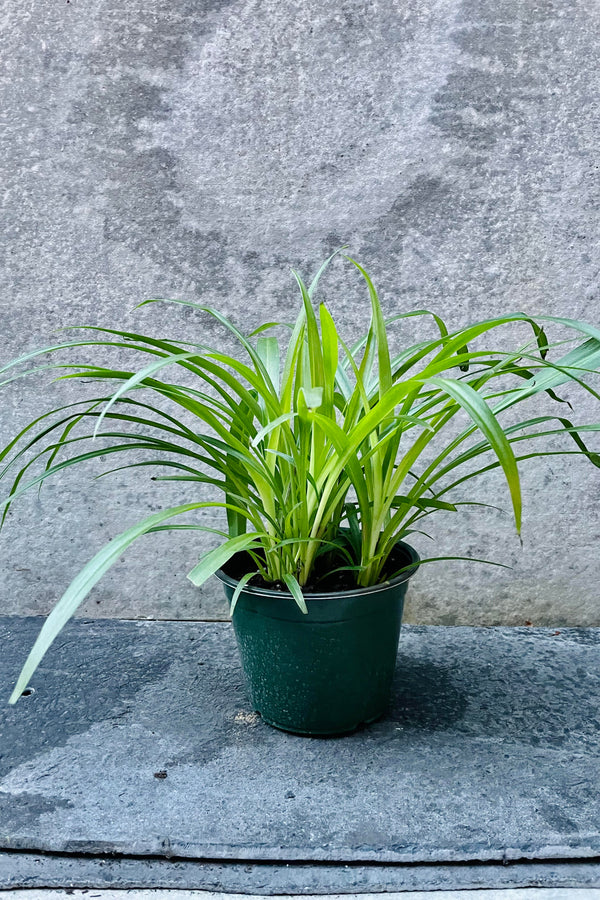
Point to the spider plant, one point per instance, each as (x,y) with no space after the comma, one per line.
(315,448)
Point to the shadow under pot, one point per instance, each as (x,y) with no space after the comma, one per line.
(329,671)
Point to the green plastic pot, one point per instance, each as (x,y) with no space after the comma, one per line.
(327,672)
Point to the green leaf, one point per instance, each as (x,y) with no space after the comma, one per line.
(430,559)
(215,559)
(415,420)
(82,585)
(139,377)
(316,279)
(238,590)
(271,426)
(313,397)
(486,421)
(429,503)
(383,352)
(266,327)
(296,592)
(330,355)
(315,349)
(268,350)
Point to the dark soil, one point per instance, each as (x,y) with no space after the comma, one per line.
(324,578)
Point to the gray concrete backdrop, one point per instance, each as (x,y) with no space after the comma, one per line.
(198,148)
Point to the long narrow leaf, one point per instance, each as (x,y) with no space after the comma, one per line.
(217,558)
(82,585)
(296,592)
(486,421)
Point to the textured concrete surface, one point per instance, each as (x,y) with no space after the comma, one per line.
(519,894)
(138,741)
(197,149)
(47,871)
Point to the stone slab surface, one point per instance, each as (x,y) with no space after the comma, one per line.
(490,753)
(199,148)
(510,894)
(46,871)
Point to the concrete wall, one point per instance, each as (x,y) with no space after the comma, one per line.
(198,148)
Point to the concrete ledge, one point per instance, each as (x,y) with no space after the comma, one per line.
(178,894)
(137,762)
(43,871)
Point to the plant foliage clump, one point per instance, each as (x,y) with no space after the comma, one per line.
(314,447)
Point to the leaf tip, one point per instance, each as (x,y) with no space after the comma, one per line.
(15,695)
(195,581)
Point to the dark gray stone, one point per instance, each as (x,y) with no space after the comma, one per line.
(30,870)
(198,148)
(138,742)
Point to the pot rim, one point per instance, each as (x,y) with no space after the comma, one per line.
(328,595)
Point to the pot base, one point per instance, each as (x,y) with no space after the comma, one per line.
(319,734)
